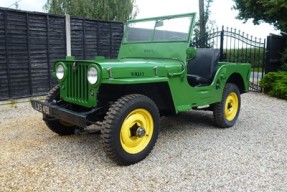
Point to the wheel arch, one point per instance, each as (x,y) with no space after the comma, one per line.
(158,92)
(237,79)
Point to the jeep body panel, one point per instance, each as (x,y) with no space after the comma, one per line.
(170,71)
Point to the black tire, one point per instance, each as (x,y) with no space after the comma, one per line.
(125,116)
(55,125)
(227,111)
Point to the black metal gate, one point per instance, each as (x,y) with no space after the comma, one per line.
(238,47)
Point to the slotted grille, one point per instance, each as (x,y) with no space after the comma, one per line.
(77,84)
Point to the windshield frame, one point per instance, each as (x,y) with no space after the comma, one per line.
(156,20)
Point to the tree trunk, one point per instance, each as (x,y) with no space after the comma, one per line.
(201,18)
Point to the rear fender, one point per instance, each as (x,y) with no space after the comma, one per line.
(237,74)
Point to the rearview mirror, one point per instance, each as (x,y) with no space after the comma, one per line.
(159,23)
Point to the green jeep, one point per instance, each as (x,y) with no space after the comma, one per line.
(157,73)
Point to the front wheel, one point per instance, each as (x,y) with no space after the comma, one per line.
(130,129)
(226,112)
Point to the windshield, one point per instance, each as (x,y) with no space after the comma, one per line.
(158,30)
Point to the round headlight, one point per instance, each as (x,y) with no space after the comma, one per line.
(92,75)
(60,72)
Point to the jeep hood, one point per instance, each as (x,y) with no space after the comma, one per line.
(139,68)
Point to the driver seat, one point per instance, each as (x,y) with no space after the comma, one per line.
(201,69)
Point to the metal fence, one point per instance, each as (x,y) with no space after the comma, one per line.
(31,42)
(238,47)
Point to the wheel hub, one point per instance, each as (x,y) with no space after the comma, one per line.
(136,131)
(140,132)
(231,106)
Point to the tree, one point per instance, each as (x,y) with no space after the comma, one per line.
(269,11)
(16,5)
(202,14)
(117,10)
(203,24)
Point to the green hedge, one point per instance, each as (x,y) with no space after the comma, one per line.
(275,84)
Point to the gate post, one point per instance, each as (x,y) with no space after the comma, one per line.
(275,46)
(221,44)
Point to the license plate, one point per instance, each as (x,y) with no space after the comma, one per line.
(42,108)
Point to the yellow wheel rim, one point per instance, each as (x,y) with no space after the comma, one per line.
(231,106)
(136,131)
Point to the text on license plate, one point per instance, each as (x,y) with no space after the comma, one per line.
(42,108)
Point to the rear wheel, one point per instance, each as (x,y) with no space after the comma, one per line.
(226,112)
(130,129)
(55,125)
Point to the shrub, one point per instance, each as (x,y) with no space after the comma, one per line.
(284,61)
(284,67)
(275,84)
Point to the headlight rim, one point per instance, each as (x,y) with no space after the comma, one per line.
(98,75)
(65,71)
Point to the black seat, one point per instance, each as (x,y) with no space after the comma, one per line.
(201,69)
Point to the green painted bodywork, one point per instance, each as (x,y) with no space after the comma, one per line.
(151,62)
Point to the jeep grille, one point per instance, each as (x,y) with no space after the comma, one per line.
(77,84)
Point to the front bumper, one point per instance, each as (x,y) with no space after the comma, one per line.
(80,119)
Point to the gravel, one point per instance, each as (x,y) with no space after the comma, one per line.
(190,155)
